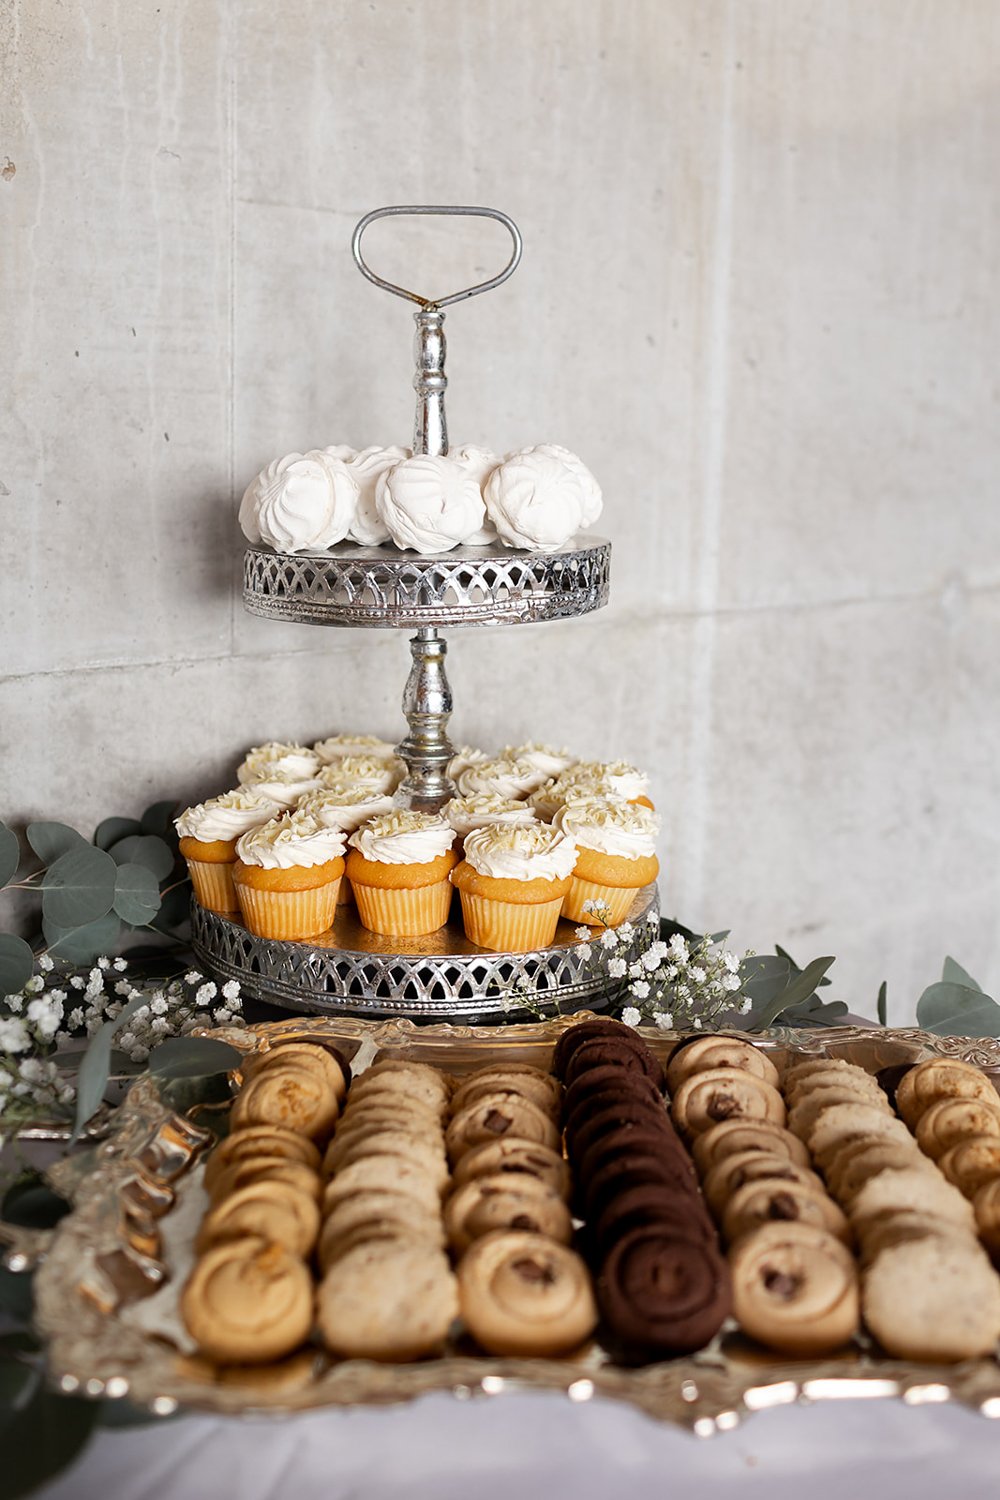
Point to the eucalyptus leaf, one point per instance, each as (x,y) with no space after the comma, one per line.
(81,945)
(957,1010)
(764,976)
(50,840)
(175,908)
(137,894)
(17,963)
(193,1057)
(159,818)
(43,1439)
(95,1070)
(815,1012)
(882,1004)
(10,854)
(953,973)
(144,849)
(112,830)
(798,990)
(795,968)
(79,887)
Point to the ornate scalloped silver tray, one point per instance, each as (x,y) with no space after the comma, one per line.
(442,976)
(385,589)
(109,1256)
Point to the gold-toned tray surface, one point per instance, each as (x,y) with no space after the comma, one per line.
(109,1264)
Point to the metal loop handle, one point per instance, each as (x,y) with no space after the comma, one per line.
(442,212)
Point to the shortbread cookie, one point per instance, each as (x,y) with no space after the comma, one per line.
(412,1080)
(733,1136)
(426,1155)
(388,1300)
(902,1225)
(933,1299)
(583,1128)
(392,1174)
(606,1083)
(380,1096)
(947,1121)
(795,1289)
(986,1206)
(266,1168)
(912,1189)
(940,1078)
(362,1122)
(757,1203)
(512,1155)
(718,1094)
(810,1105)
(338,1237)
(663,1291)
(718,1052)
(518,1078)
(496,1115)
(834,1074)
(846,1122)
(273,1210)
(248,1301)
(300,1054)
(511,1200)
(260,1140)
(291,1096)
(970,1163)
(733,1172)
(523,1294)
(851,1169)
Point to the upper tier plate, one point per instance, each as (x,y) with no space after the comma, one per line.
(384,588)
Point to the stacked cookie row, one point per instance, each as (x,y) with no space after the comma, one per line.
(954,1112)
(250,1295)
(795,1284)
(662,1285)
(523,1290)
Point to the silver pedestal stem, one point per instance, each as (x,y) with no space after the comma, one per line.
(427,695)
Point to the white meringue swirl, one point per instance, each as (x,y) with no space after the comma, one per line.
(367,467)
(534,501)
(591,499)
(479,463)
(403,838)
(537,852)
(290,842)
(226,816)
(610,825)
(303,502)
(482,808)
(345,806)
(429,504)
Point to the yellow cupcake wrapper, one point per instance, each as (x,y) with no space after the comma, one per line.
(504,927)
(617,899)
(401,912)
(289,915)
(213,885)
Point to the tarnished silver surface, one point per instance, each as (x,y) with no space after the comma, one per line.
(106,1257)
(383,589)
(427,707)
(440,977)
(438,211)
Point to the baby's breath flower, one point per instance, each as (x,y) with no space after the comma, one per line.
(193,977)
(731,962)
(14,1036)
(222,1016)
(697,974)
(609,938)
(77,981)
(123,987)
(640,988)
(617,968)
(15,1003)
(626,932)
(585,951)
(35,985)
(103,963)
(631,1016)
(158,1004)
(231,989)
(75,1020)
(121,964)
(205,993)
(663,1019)
(139,1054)
(583,933)
(45,963)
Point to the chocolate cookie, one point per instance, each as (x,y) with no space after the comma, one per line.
(616,1052)
(585,1032)
(614,1115)
(657,1204)
(663,1292)
(634,1168)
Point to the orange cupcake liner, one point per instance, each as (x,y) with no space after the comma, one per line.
(289,915)
(213,885)
(401,912)
(504,927)
(618,900)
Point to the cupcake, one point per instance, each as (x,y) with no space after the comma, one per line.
(398,867)
(334,749)
(464,757)
(208,833)
(484,808)
(288,876)
(505,777)
(546,759)
(587,780)
(373,772)
(616,856)
(294,762)
(345,805)
(512,882)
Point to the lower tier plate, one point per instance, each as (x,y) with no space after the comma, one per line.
(441,977)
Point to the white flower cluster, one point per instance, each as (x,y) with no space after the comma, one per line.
(57,1007)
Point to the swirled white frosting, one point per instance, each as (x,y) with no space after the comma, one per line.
(277,758)
(293,841)
(338,745)
(345,806)
(225,817)
(545,758)
(403,838)
(536,852)
(342,451)
(464,757)
(534,501)
(610,825)
(429,504)
(287,791)
(591,500)
(369,771)
(479,463)
(300,503)
(617,777)
(482,808)
(368,466)
(505,777)
(585,780)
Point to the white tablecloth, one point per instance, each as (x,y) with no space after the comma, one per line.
(544,1448)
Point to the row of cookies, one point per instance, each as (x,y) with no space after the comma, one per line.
(523,1289)
(954,1111)
(795,1282)
(249,1297)
(928,1289)
(663,1287)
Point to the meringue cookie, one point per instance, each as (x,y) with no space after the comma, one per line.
(479,463)
(535,501)
(429,504)
(590,490)
(368,466)
(300,503)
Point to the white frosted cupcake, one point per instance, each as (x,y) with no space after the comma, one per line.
(547,759)
(616,856)
(502,776)
(340,745)
(288,876)
(345,805)
(398,865)
(373,772)
(589,779)
(208,833)
(513,881)
(464,757)
(480,810)
(293,762)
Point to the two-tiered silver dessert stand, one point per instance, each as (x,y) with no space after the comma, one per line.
(441,977)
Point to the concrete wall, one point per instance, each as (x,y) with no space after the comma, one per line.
(759,297)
